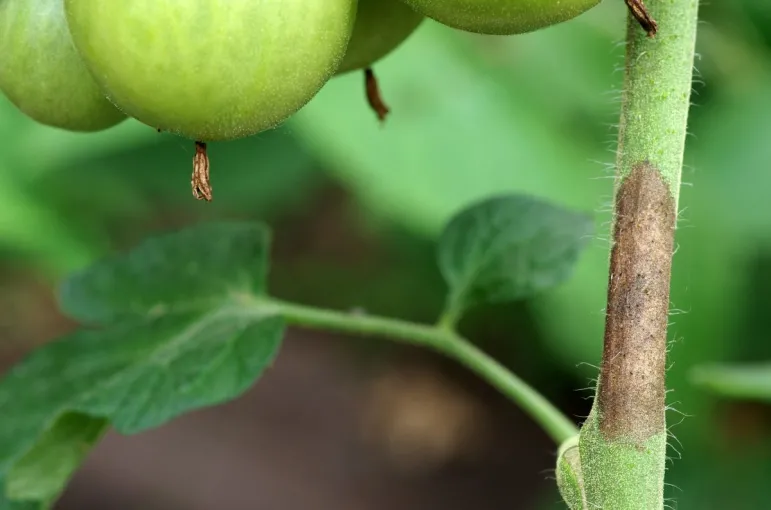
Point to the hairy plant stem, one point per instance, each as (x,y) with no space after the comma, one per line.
(623,442)
(441,340)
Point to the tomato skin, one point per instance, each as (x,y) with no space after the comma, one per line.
(381,26)
(211,70)
(43,75)
(501,17)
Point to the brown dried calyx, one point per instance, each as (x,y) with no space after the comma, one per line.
(200,181)
(640,12)
(374,98)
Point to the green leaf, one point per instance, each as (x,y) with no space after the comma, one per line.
(177,329)
(507,248)
(750,382)
(193,269)
(7,504)
(41,474)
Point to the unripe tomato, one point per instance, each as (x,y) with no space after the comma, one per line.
(211,69)
(501,17)
(42,74)
(381,26)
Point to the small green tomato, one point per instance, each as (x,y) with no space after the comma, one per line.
(501,17)
(381,26)
(209,69)
(43,75)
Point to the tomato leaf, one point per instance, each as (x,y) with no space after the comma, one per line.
(175,329)
(44,470)
(7,504)
(507,248)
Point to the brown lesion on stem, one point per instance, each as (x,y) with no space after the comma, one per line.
(374,98)
(200,181)
(641,14)
(632,377)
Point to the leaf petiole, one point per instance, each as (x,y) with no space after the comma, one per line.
(441,339)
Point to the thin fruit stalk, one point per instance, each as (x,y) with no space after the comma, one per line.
(622,445)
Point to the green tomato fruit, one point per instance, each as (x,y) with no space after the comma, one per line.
(208,69)
(43,75)
(381,26)
(501,17)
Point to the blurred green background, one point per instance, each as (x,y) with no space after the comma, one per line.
(356,208)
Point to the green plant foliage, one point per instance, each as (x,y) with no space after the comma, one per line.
(748,382)
(182,322)
(507,248)
(471,116)
(7,504)
(172,335)
(194,269)
(42,472)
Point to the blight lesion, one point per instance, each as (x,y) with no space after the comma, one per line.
(631,391)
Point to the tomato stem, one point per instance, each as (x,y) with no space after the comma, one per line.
(622,448)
